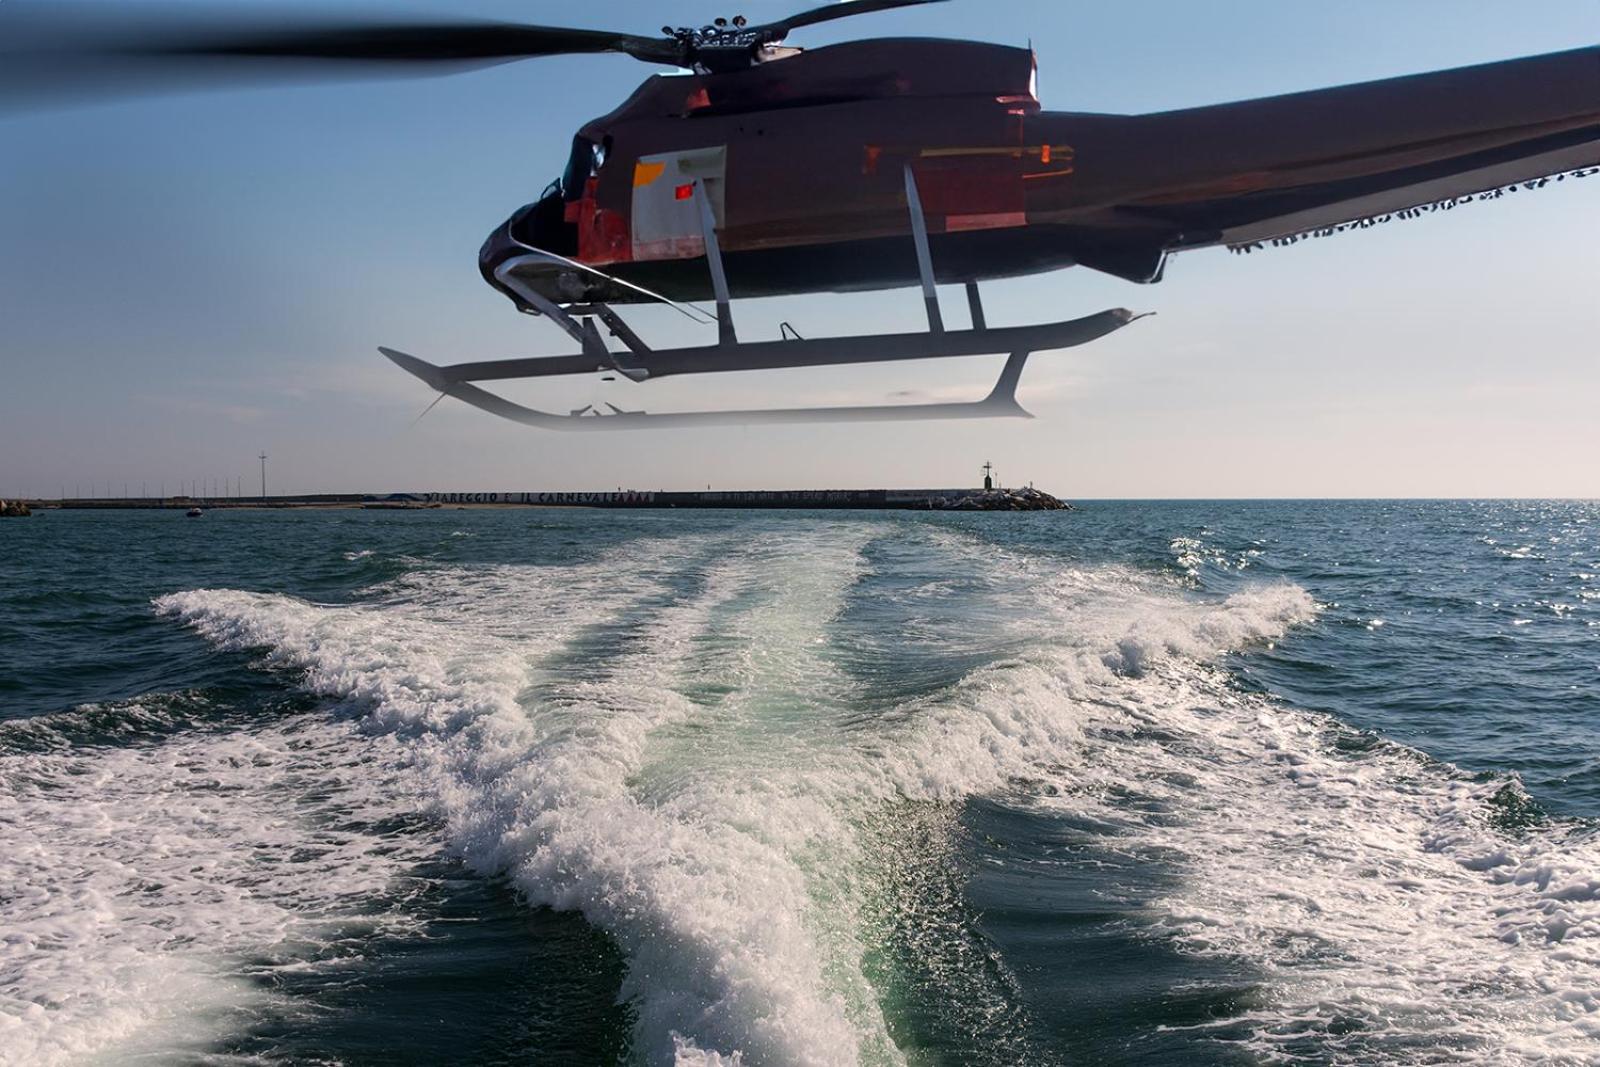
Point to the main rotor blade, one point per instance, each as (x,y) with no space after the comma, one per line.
(54,50)
(420,43)
(844,10)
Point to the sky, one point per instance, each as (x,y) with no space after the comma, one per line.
(187,281)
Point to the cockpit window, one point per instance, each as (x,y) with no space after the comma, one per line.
(577,171)
(586,160)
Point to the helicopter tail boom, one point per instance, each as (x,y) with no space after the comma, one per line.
(1270,169)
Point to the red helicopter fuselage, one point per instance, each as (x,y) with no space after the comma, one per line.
(804,159)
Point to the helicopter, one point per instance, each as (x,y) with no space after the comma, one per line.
(760,169)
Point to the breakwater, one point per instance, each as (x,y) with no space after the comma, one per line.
(1022,499)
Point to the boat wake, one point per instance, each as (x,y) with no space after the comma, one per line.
(739,756)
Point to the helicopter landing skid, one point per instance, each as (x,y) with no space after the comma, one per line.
(641,363)
(1000,403)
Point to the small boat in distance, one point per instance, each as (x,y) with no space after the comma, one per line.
(194,513)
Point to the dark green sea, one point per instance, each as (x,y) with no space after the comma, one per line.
(1142,783)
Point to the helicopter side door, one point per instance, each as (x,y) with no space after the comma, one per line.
(666,220)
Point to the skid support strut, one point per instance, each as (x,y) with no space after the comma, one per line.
(580,326)
(719,280)
(975,307)
(919,234)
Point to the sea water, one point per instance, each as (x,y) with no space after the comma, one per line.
(1198,783)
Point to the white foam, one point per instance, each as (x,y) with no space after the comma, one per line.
(713,840)
(151,871)
(697,785)
(137,878)
(1390,918)
(1385,912)
(695,871)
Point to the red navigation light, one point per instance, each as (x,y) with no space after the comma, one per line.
(683,192)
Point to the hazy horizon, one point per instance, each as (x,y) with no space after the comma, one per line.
(188,281)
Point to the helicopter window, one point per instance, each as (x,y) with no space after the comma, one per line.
(578,167)
(585,162)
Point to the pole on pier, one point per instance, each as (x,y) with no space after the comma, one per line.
(263,477)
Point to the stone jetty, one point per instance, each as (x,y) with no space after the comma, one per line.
(1026,498)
